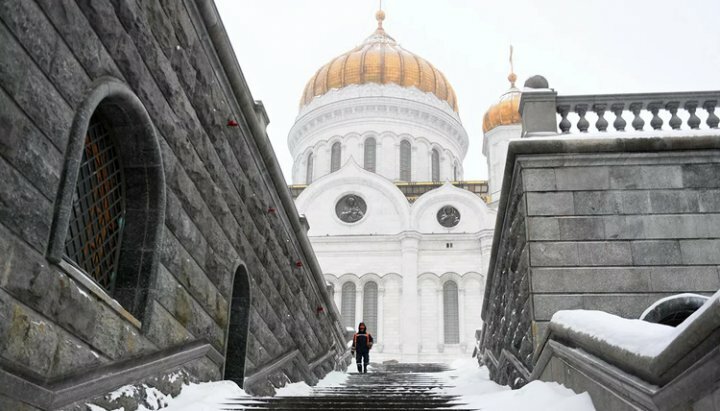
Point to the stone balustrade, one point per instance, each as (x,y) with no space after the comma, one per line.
(544,112)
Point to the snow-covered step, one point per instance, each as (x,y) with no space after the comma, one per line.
(385,387)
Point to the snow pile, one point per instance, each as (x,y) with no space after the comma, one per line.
(296,389)
(208,396)
(301,389)
(476,390)
(636,336)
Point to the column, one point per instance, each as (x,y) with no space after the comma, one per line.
(410,314)
(440,319)
(461,317)
(381,317)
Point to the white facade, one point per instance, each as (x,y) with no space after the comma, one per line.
(411,259)
(374,117)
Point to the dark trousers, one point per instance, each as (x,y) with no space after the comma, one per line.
(361,356)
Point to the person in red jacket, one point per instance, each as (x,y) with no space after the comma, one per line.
(362,343)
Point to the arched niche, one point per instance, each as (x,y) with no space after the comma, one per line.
(237,334)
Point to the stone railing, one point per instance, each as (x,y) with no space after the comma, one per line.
(544,112)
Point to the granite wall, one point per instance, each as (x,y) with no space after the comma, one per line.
(607,224)
(225,214)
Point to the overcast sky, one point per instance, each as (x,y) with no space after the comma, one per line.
(580,46)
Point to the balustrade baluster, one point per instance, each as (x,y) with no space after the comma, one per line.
(601,123)
(656,122)
(638,123)
(582,124)
(693,120)
(712,120)
(619,122)
(675,121)
(564,122)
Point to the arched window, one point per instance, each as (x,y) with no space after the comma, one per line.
(405,161)
(435,165)
(369,157)
(237,334)
(455,172)
(370,307)
(110,205)
(309,169)
(97,221)
(335,153)
(451,319)
(348,305)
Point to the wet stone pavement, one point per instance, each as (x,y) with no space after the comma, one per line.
(384,387)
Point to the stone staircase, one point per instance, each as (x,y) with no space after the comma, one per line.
(384,387)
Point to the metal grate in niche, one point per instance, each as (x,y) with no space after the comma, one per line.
(450,313)
(309,170)
(335,154)
(369,157)
(98,209)
(370,308)
(405,161)
(347,309)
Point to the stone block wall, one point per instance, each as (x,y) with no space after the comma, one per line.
(612,225)
(218,200)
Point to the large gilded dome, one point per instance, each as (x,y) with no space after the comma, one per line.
(379,59)
(506,111)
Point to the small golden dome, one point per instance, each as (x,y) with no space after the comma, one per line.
(504,112)
(379,59)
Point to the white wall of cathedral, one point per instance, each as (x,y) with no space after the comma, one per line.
(435,340)
(387,113)
(495,148)
(388,211)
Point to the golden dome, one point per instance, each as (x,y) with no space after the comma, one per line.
(379,59)
(505,112)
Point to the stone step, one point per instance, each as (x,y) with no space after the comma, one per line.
(386,387)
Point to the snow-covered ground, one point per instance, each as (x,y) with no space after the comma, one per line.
(477,390)
(467,380)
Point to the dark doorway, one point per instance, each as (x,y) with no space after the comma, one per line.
(238,328)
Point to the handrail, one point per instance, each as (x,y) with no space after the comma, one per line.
(99,380)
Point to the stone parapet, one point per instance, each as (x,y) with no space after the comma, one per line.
(606,224)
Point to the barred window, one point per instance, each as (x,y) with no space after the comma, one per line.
(98,207)
(450,311)
(405,161)
(335,153)
(369,157)
(347,309)
(370,307)
(309,170)
(435,165)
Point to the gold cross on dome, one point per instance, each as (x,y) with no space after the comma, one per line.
(512,70)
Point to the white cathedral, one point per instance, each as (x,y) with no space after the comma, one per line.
(403,240)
